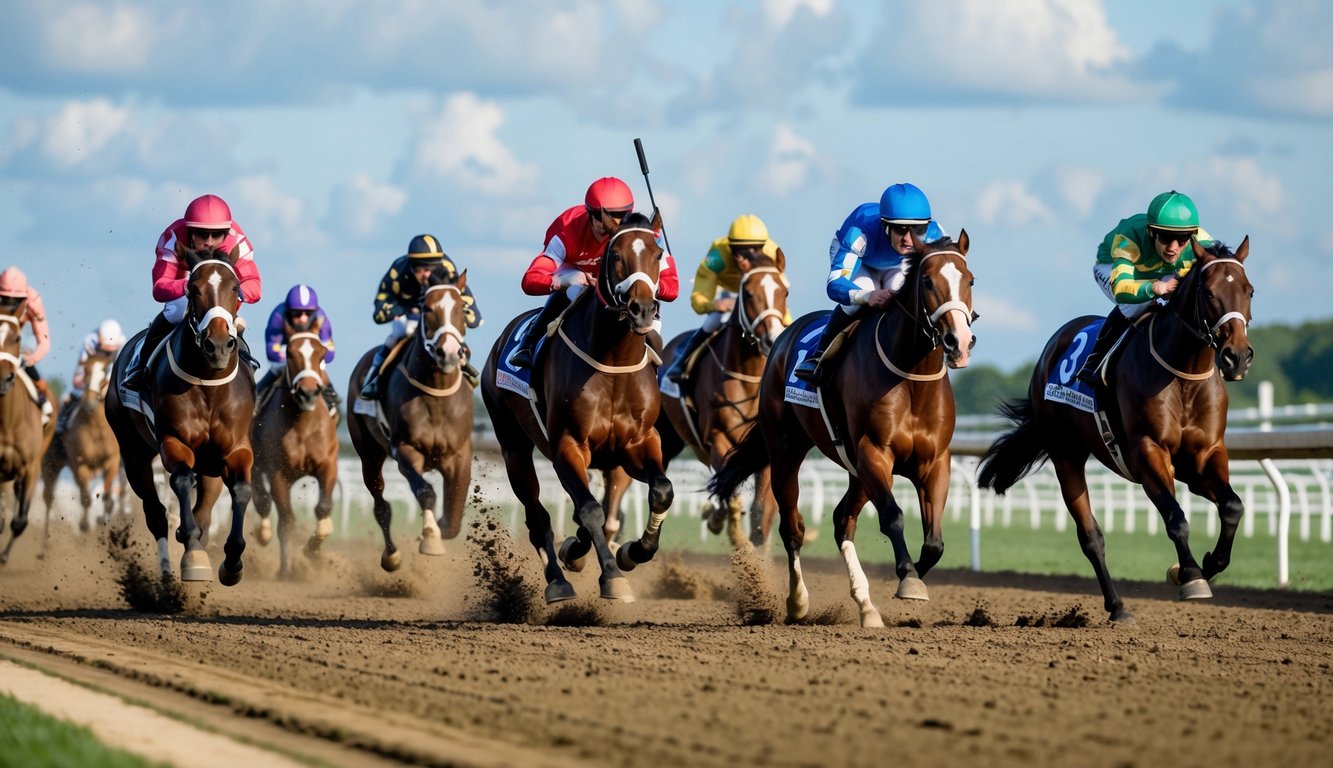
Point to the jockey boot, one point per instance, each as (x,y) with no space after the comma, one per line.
(1115,324)
(812,369)
(67,410)
(522,357)
(243,349)
(676,372)
(332,400)
(370,389)
(138,372)
(470,372)
(43,396)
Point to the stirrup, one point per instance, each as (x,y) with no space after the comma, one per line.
(522,358)
(808,370)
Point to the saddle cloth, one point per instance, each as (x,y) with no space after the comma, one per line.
(1061,386)
(799,391)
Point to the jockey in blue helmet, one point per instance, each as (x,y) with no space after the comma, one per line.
(866,261)
(300,310)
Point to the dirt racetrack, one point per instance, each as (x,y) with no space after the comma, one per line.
(348,665)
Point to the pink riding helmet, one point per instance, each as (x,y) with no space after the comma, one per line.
(13,283)
(208,212)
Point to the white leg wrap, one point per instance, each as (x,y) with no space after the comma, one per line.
(654,523)
(323,528)
(798,597)
(857,577)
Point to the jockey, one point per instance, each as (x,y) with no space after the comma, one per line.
(18,299)
(718,279)
(572,256)
(107,338)
(867,261)
(398,301)
(207,223)
(300,310)
(1139,261)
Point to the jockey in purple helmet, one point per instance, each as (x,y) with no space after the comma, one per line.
(300,310)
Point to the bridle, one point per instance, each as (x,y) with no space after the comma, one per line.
(311,369)
(1198,325)
(447,328)
(614,296)
(18,329)
(214,312)
(749,324)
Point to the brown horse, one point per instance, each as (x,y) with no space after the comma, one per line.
(87,446)
(1168,414)
(718,402)
(23,439)
(428,405)
(295,436)
(201,397)
(888,409)
(594,403)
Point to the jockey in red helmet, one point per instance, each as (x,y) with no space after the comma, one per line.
(207,223)
(572,256)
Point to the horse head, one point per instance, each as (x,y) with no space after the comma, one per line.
(941,296)
(306,377)
(761,304)
(96,377)
(213,292)
(10,351)
(444,319)
(1213,302)
(627,282)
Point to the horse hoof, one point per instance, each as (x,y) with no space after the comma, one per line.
(1195,590)
(431,545)
(617,589)
(559,591)
(911,588)
(195,566)
(228,577)
(870,619)
(623,560)
(84,526)
(1122,616)
(391,561)
(575,565)
(264,534)
(716,518)
(1173,574)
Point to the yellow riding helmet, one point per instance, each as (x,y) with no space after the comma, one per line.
(748,229)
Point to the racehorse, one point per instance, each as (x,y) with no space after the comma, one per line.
(200,399)
(1167,411)
(594,403)
(23,439)
(87,446)
(296,436)
(428,406)
(888,409)
(717,403)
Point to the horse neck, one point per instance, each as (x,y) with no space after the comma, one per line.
(190,358)
(903,340)
(609,337)
(1167,333)
(735,352)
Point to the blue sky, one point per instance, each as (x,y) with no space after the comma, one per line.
(338,130)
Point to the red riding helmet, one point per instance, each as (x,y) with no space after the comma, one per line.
(610,194)
(208,212)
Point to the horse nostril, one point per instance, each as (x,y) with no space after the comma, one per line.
(231,344)
(1249,355)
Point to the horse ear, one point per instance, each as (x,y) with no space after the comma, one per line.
(1200,252)
(287,329)
(917,244)
(317,323)
(1243,250)
(235,254)
(963,242)
(780,260)
(657,219)
(461,281)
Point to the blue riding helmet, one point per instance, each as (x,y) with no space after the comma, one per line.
(302,297)
(904,204)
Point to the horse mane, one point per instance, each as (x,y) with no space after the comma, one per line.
(1219,250)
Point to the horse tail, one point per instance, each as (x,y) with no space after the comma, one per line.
(1015,453)
(744,459)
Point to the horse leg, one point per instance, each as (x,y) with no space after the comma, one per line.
(932,491)
(25,486)
(83,477)
(1074,488)
(263,501)
(109,470)
(207,492)
(139,475)
(1159,484)
(571,466)
(457,473)
(411,465)
(762,509)
(327,476)
(616,483)
(1214,484)
(648,468)
(791,527)
(522,473)
(237,478)
(372,474)
(845,516)
(875,470)
(50,473)
(194,562)
(282,499)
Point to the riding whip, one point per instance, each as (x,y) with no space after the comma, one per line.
(643,166)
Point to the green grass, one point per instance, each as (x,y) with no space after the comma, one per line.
(1138,556)
(35,740)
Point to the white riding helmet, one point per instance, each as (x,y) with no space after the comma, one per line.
(109,335)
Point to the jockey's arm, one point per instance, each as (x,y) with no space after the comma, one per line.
(842,265)
(275,343)
(539,279)
(470,311)
(668,281)
(36,314)
(387,303)
(703,297)
(326,334)
(248,273)
(1125,287)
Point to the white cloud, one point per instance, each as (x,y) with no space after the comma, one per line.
(789,160)
(1001,314)
(460,145)
(1010,203)
(780,12)
(262,206)
(361,206)
(81,129)
(95,38)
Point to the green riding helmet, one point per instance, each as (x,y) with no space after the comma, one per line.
(1173,211)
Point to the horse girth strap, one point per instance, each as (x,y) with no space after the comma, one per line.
(429,389)
(648,355)
(1152,348)
(884,358)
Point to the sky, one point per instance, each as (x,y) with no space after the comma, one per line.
(338,130)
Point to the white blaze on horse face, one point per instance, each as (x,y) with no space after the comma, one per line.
(4,334)
(772,324)
(446,306)
(97,378)
(215,280)
(307,351)
(953,277)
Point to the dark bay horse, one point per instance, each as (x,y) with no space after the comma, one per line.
(428,406)
(719,400)
(22,436)
(888,409)
(87,445)
(295,436)
(594,403)
(202,397)
(1168,414)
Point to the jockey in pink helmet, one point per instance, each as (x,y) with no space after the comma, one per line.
(21,301)
(207,224)
(572,255)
